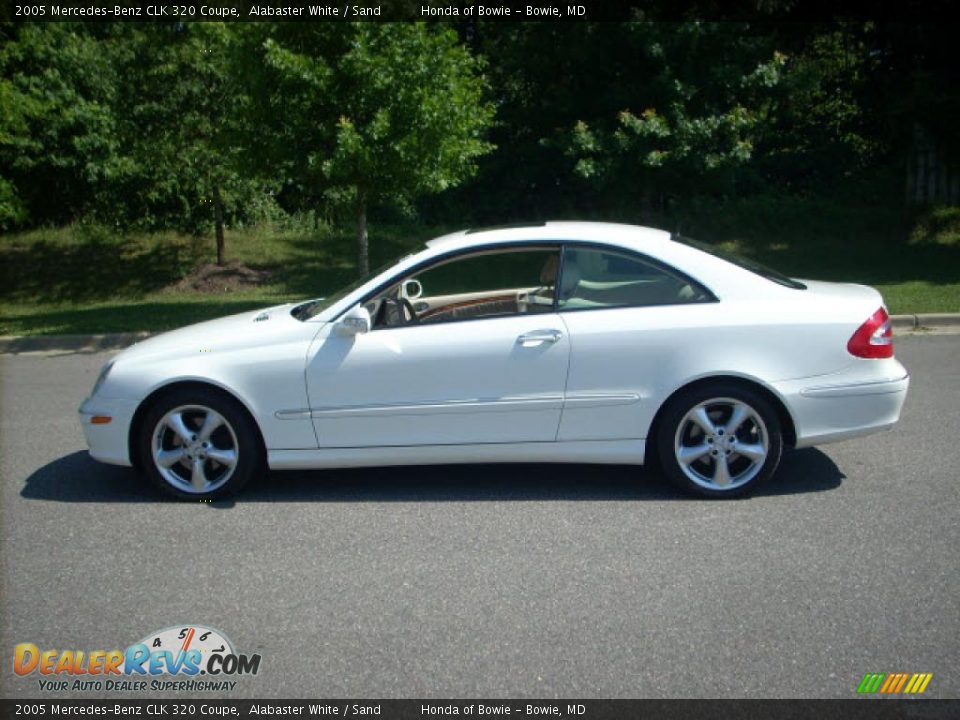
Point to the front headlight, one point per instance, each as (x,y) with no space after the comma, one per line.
(104,371)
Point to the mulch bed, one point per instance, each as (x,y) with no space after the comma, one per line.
(230,277)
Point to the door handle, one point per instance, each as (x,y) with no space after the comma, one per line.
(539,337)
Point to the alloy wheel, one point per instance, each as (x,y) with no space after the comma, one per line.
(195,449)
(721,444)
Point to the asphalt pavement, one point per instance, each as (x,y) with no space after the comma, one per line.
(497,581)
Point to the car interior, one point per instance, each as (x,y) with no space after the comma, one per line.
(512,281)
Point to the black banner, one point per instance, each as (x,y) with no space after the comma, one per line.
(854,709)
(466,10)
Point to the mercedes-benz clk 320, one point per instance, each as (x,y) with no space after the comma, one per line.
(555,342)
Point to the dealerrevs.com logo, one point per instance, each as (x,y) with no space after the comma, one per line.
(180,658)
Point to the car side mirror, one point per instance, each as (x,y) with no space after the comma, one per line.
(356,321)
(412,289)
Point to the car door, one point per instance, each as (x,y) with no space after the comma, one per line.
(481,368)
(633,324)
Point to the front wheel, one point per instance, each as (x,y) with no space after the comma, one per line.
(719,440)
(199,444)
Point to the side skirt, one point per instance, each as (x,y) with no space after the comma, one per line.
(610,452)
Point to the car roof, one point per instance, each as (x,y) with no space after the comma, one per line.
(614,233)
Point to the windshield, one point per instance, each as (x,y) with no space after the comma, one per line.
(740,261)
(312,308)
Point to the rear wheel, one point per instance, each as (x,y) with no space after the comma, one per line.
(719,440)
(197,443)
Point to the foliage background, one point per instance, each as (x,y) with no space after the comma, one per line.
(794,141)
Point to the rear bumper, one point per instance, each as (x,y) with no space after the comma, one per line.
(826,413)
(108,442)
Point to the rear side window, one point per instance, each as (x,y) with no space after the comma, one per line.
(601,278)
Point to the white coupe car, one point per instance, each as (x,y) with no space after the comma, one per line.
(555,342)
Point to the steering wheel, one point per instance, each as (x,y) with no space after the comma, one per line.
(408,306)
(403,308)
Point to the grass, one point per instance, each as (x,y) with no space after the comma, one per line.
(913,260)
(85,279)
(912,279)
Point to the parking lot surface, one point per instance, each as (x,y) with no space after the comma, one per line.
(498,581)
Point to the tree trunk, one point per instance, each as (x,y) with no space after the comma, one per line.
(363,246)
(218,222)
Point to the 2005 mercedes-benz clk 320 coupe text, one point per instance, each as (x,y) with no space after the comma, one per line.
(557,342)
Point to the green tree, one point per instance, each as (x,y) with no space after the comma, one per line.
(393,112)
(819,127)
(701,96)
(58,143)
(287,129)
(636,119)
(12,124)
(182,115)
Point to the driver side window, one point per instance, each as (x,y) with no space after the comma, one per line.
(492,283)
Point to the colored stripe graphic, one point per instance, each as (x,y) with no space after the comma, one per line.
(871,682)
(889,683)
(918,683)
(894,683)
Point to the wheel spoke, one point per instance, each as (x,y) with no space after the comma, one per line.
(721,472)
(210,423)
(198,477)
(166,458)
(224,457)
(754,452)
(700,417)
(687,455)
(740,413)
(175,422)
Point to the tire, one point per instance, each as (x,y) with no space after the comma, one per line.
(199,444)
(697,452)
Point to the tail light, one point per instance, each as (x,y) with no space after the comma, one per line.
(873,339)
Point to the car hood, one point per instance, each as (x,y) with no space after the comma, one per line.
(227,333)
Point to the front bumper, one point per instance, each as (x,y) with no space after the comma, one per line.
(108,441)
(826,412)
